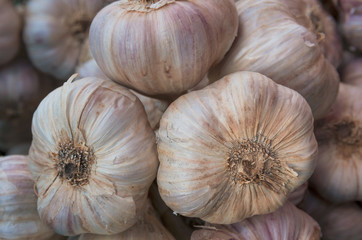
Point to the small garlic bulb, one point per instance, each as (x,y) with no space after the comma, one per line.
(287,223)
(148,227)
(19,218)
(352,72)
(337,176)
(234,149)
(10,28)
(56,31)
(93,157)
(162,47)
(294,43)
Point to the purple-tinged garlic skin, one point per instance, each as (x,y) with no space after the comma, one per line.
(293,42)
(286,223)
(352,73)
(171,49)
(337,176)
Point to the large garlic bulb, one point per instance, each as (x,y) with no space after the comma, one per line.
(234,149)
(19,218)
(10,27)
(287,223)
(93,157)
(292,42)
(337,176)
(162,46)
(55,33)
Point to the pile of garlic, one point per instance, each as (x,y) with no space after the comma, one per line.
(170,119)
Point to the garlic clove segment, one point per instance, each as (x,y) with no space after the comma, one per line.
(286,223)
(234,149)
(93,157)
(162,47)
(292,44)
(19,218)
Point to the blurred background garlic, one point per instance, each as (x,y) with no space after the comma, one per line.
(93,157)
(337,176)
(352,73)
(19,218)
(234,149)
(56,33)
(10,28)
(287,223)
(294,43)
(171,49)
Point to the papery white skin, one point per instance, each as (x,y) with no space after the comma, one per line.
(337,176)
(19,218)
(287,223)
(10,28)
(112,122)
(352,72)
(276,38)
(198,130)
(55,32)
(162,48)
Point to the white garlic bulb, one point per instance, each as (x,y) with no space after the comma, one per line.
(171,49)
(234,149)
(287,223)
(55,32)
(10,28)
(292,44)
(19,218)
(93,157)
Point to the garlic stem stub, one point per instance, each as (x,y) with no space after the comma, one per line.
(162,47)
(234,149)
(352,72)
(93,157)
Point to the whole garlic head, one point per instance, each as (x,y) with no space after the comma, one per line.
(234,149)
(19,218)
(93,157)
(293,42)
(287,223)
(162,47)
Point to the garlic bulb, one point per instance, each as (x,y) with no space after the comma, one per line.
(154,107)
(352,72)
(93,157)
(10,27)
(55,32)
(19,218)
(234,149)
(337,176)
(287,223)
(294,43)
(171,49)
(148,227)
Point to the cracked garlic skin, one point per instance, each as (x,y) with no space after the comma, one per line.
(337,176)
(234,149)
(291,42)
(162,47)
(19,218)
(56,31)
(287,223)
(93,157)
(10,28)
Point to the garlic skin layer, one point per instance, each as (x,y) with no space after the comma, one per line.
(234,149)
(93,157)
(287,223)
(171,49)
(19,218)
(55,33)
(337,176)
(292,42)
(10,28)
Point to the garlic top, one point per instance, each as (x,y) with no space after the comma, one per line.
(19,218)
(287,223)
(93,157)
(234,149)
(286,41)
(162,47)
